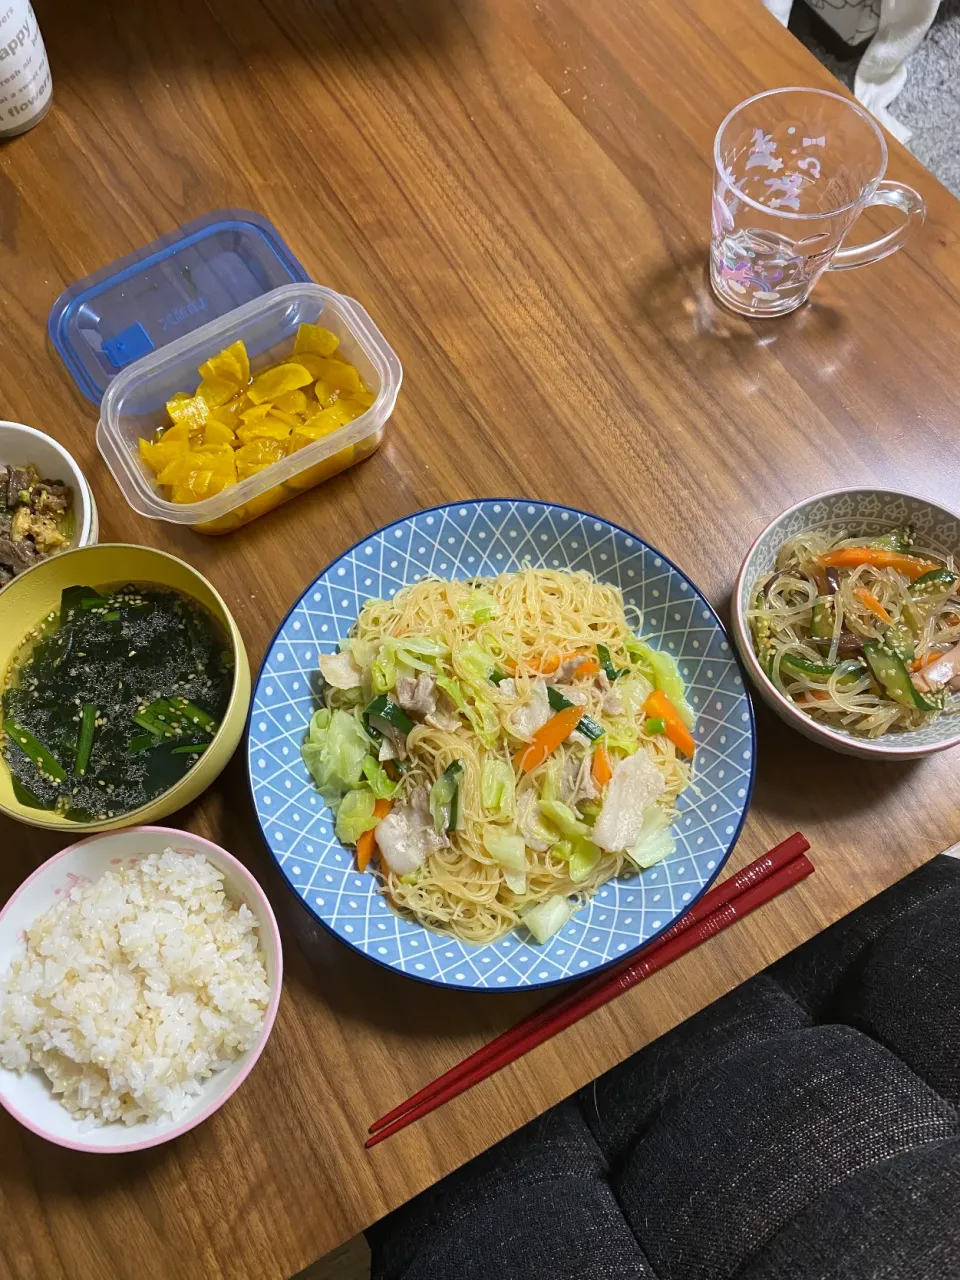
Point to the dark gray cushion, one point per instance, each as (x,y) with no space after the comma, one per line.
(801,1128)
(763,1135)
(896,1219)
(536,1205)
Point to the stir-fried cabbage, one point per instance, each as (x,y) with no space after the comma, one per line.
(563,818)
(480,607)
(511,853)
(355,815)
(656,841)
(497,788)
(547,918)
(334,752)
(378,779)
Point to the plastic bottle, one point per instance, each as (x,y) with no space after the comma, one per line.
(26,88)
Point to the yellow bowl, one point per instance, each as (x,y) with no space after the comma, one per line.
(32,595)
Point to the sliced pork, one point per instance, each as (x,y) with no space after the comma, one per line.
(406,836)
(635,785)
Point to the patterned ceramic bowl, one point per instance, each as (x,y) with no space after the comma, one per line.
(852,512)
(486,538)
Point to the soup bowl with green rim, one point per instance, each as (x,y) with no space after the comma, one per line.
(851,513)
(34,594)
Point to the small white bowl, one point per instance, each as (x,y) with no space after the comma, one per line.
(28,1097)
(853,512)
(20,445)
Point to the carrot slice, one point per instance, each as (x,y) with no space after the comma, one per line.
(368,838)
(546,740)
(601,769)
(659,706)
(870,601)
(852,557)
(588,667)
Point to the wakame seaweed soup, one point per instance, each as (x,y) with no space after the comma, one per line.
(113,700)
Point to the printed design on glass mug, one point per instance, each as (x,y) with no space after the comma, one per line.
(751,264)
(785,191)
(763,152)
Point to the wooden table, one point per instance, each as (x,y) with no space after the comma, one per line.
(518,190)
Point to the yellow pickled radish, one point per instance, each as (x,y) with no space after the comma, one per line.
(338,374)
(291,419)
(315,339)
(291,401)
(274,382)
(216,391)
(231,429)
(231,364)
(216,432)
(326,392)
(257,412)
(264,429)
(191,412)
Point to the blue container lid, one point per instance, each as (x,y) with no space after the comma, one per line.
(166,289)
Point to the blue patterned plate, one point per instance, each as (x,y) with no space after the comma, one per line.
(462,540)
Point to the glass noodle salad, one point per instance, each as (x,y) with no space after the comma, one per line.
(497,749)
(862,634)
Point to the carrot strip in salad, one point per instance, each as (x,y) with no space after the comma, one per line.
(925,661)
(870,601)
(601,769)
(368,838)
(911,567)
(659,706)
(546,739)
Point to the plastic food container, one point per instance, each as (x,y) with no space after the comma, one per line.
(135,333)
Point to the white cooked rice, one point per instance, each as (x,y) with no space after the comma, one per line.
(134,989)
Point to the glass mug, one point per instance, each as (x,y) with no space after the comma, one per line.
(793,170)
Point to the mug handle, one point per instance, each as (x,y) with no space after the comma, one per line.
(911,205)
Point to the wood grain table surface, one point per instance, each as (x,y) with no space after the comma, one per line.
(519,192)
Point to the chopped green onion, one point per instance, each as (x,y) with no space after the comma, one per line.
(655,725)
(26,797)
(156,728)
(445,798)
(556,699)
(143,742)
(45,760)
(88,723)
(497,676)
(603,653)
(190,748)
(587,725)
(187,710)
(384,708)
(589,728)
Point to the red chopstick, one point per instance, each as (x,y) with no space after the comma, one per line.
(748,889)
